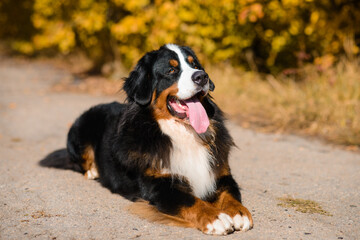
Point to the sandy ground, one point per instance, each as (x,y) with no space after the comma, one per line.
(40,203)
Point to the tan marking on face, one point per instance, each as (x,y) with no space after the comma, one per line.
(153,97)
(160,104)
(190,59)
(174,62)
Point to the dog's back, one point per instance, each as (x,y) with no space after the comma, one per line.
(89,128)
(84,136)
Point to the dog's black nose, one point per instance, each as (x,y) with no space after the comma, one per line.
(200,78)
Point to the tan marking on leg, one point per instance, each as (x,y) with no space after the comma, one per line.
(144,210)
(240,214)
(207,218)
(89,164)
(201,215)
(92,173)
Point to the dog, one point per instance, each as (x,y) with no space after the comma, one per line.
(167,147)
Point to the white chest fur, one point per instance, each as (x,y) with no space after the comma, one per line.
(189,158)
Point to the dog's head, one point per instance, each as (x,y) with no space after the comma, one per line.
(174,84)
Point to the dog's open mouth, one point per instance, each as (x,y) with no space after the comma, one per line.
(190,110)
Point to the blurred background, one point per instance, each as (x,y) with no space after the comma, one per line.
(285,66)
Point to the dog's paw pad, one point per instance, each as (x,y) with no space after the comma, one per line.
(221,226)
(241,223)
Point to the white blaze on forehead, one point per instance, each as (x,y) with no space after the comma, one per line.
(187,88)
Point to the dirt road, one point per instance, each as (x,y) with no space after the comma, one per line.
(40,203)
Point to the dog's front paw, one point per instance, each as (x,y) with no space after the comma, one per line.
(211,220)
(223,225)
(242,223)
(240,215)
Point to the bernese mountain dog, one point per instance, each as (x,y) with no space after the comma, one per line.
(167,147)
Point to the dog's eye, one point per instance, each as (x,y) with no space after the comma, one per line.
(194,65)
(172,70)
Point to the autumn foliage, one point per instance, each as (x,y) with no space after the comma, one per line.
(313,44)
(267,36)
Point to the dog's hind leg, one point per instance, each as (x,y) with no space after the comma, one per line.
(89,164)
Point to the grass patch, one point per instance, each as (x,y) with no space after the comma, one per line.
(324,103)
(304,206)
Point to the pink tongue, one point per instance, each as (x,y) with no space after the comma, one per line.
(197,115)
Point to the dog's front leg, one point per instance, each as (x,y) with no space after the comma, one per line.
(173,197)
(229,201)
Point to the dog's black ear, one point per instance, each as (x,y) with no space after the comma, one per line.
(140,83)
(211,85)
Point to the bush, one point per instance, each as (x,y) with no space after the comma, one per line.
(16,26)
(266,36)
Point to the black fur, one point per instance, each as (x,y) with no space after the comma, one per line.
(140,85)
(167,194)
(60,159)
